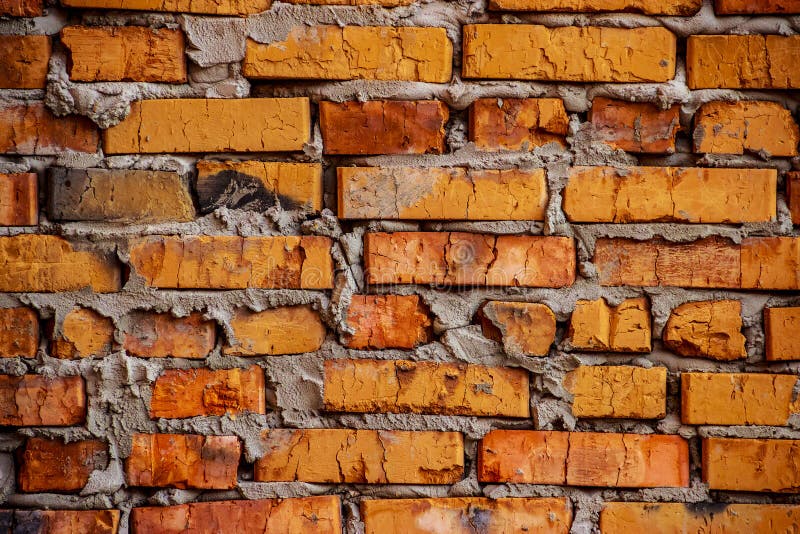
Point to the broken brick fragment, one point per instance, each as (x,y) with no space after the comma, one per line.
(524,328)
(707,329)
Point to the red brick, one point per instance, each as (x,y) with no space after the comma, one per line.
(517,123)
(387,322)
(635,126)
(60,521)
(284,330)
(21,8)
(744,7)
(19,198)
(54,466)
(24,61)
(19,333)
(780,328)
(160,335)
(736,464)
(32,130)
(33,400)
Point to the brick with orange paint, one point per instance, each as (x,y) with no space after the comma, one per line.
(207,7)
(618,391)
(21,8)
(60,521)
(780,329)
(649,7)
(755,7)
(50,465)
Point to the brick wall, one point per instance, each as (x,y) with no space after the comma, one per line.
(396,266)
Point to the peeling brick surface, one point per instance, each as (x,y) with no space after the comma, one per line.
(780,325)
(21,8)
(653,7)
(734,7)
(209,7)
(84,333)
(58,521)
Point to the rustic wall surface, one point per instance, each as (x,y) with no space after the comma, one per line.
(395,266)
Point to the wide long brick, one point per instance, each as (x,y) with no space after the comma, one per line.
(183,461)
(780,329)
(745,126)
(19,199)
(706,329)
(24,61)
(462,515)
(307,515)
(21,8)
(618,391)
(524,328)
(744,7)
(354,52)
(517,123)
(738,464)
(401,386)
(361,456)
(209,7)
(58,521)
(212,125)
(34,400)
(680,194)
(84,333)
(568,53)
(639,127)
(455,258)
(47,465)
(19,332)
(284,330)
(387,322)
(436,193)
(583,459)
(160,335)
(232,262)
(651,7)
(742,61)
(596,326)
(32,130)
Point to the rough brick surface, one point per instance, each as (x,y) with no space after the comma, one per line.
(524,328)
(31,129)
(748,126)
(52,466)
(583,459)
(401,386)
(160,335)
(84,333)
(387,322)
(436,193)
(707,329)
(735,7)
(33,400)
(635,127)
(587,54)
(780,328)
(793,195)
(751,464)
(455,258)
(618,391)
(210,7)
(596,326)
(58,521)
(24,61)
(354,52)
(383,127)
(19,332)
(771,263)
(361,456)
(21,8)
(654,7)
(287,330)
(19,199)
(517,123)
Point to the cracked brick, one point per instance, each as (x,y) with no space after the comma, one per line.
(23,64)
(517,123)
(746,126)
(19,199)
(387,322)
(639,127)
(60,521)
(34,400)
(21,8)
(84,334)
(384,3)
(761,465)
(596,326)
(284,330)
(793,195)
(649,7)
(706,329)
(618,391)
(207,7)
(780,328)
(771,263)
(747,7)
(32,130)
(524,328)
(19,333)
(160,335)
(54,466)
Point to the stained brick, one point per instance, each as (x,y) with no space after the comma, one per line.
(387,322)
(160,335)
(618,391)
(635,126)
(651,7)
(19,199)
(286,330)
(32,130)
(596,326)
(524,328)
(745,126)
(54,466)
(24,61)
(739,464)
(21,8)
(793,195)
(60,521)
(19,332)
(84,333)
(209,7)
(33,400)
(736,7)
(517,123)
(708,329)
(780,328)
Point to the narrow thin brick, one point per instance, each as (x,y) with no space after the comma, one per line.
(596,326)
(648,7)
(793,195)
(19,333)
(24,61)
(19,199)
(524,328)
(517,123)
(639,127)
(21,8)
(780,328)
(763,465)
(755,7)
(745,126)
(707,329)
(32,130)
(34,400)
(160,335)
(284,330)
(60,521)
(618,391)
(54,466)
(84,333)
(207,7)
(387,322)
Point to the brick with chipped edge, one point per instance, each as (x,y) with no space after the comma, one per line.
(524,328)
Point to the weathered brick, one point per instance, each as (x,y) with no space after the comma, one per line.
(651,7)
(54,466)
(354,52)
(771,263)
(780,328)
(307,515)
(596,326)
(212,125)
(737,399)
(583,459)
(34,400)
(742,61)
(384,3)
(47,263)
(19,333)
(258,185)
(793,195)
(24,61)
(84,333)
(387,322)
(21,8)
(59,521)
(639,127)
(401,386)
(517,123)
(669,518)
(739,127)
(383,127)
(568,53)
(736,7)
(708,329)
(32,130)
(285,330)
(465,515)
(118,196)
(456,258)
(680,194)
(209,7)
(334,455)
(126,53)
(618,391)
(435,193)
(19,199)
(160,335)
(751,464)
(183,461)
(232,262)
(524,328)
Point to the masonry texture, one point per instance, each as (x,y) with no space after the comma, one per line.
(399,266)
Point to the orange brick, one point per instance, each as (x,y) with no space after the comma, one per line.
(160,335)
(737,464)
(464,515)
(60,521)
(635,126)
(127,53)
(680,194)
(596,326)
(669,518)
(258,185)
(517,123)
(568,53)
(19,200)
(287,330)
(708,329)
(84,333)
(455,258)
(383,127)
(32,130)
(737,399)
(212,125)
(183,461)
(780,327)
(354,52)
(583,459)
(739,127)
(793,195)
(308,515)
(209,7)
(384,3)
(33,400)
(387,322)
(735,7)
(21,8)
(19,333)
(335,455)
(401,386)
(651,7)
(771,263)
(232,262)
(742,61)
(52,465)
(524,328)
(181,393)
(618,391)
(24,61)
